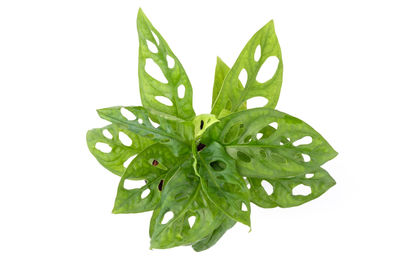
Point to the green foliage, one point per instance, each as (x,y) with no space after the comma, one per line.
(200,173)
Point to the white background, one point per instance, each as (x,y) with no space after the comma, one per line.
(61,60)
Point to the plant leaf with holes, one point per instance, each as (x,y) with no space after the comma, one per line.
(198,174)
(184,198)
(284,192)
(154,165)
(266,156)
(231,96)
(175,75)
(223,184)
(120,153)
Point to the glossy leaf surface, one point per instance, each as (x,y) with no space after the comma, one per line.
(198,174)
(216,235)
(223,184)
(120,153)
(231,95)
(175,75)
(184,198)
(172,133)
(261,155)
(283,194)
(143,167)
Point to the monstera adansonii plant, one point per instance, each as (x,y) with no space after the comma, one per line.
(200,173)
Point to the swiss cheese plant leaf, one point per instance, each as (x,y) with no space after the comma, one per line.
(283,191)
(168,132)
(213,238)
(193,216)
(221,71)
(263,48)
(198,174)
(292,149)
(172,96)
(153,165)
(116,158)
(223,184)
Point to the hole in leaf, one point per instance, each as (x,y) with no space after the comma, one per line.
(302,190)
(133,184)
(257,53)
(191,221)
(218,165)
(201,124)
(156,38)
(164,100)
(259,136)
(127,114)
(309,175)
(247,182)
(181,91)
(243,157)
(152,47)
(107,134)
(274,125)
(200,146)
(140,121)
(155,124)
(247,139)
(256,102)
(244,207)
(145,193)
(154,71)
(243,77)
(267,187)
(268,69)
(170,62)
(154,163)
(306,157)
(303,141)
(160,185)
(167,217)
(128,161)
(125,139)
(103,147)
(281,143)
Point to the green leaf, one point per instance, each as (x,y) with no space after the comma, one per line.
(155,165)
(120,154)
(151,88)
(231,96)
(183,197)
(262,153)
(283,194)
(221,71)
(212,239)
(223,184)
(175,134)
(202,122)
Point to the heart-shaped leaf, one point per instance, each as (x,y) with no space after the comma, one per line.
(231,96)
(223,184)
(119,154)
(162,98)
